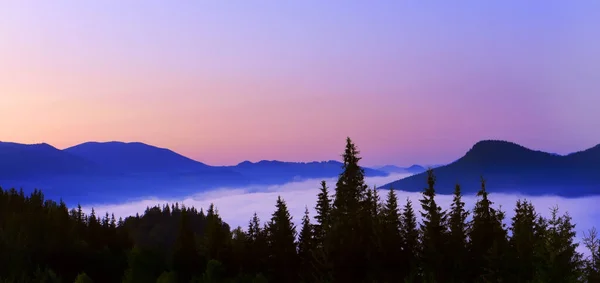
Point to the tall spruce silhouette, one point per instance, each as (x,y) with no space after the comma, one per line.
(322,229)
(346,235)
(306,250)
(434,234)
(487,241)
(525,243)
(457,240)
(392,263)
(283,256)
(411,244)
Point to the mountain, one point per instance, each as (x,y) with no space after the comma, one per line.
(509,167)
(414,169)
(137,158)
(272,171)
(40,160)
(117,171)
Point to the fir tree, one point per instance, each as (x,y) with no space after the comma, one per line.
(346,234)
(321,231)
(488,241)
(457,245)
(391,239)
(306,250)
(410,243)
(433,232)
(323,216)
(525,243)
(370,239)
(564,263)
(257,245)
(282,245)
(592,268)
(215,236)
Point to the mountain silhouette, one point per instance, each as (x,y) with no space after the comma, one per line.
(509,167)
(137,157)
(109,171)
(414,169)
(37,160)
(273,171)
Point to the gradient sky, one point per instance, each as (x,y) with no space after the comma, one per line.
(226,81)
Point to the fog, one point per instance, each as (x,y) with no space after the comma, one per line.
(236,205)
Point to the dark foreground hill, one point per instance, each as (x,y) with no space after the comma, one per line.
(113,171)
(509,167)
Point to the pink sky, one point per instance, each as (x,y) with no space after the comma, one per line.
(410,84)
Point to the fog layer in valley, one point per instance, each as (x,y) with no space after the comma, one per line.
(236,205)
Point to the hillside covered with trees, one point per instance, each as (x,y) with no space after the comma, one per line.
(356,236)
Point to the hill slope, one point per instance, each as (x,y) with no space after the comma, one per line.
(37,160)
(135,157)
(117,171)
(509,167)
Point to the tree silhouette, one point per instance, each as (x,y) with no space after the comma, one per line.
(457,241)
(283,260)
(434,234)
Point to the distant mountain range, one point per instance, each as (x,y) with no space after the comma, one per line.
(414,169)
(509,167)
(112,171)
(108,170)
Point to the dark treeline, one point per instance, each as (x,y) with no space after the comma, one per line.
(355,237)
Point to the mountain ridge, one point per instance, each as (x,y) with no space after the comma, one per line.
(510,167)
(113,170)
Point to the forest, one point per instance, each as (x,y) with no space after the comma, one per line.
(355,236)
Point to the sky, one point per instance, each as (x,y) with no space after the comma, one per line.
(237,205)
(227,81)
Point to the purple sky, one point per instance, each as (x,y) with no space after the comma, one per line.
(227,81)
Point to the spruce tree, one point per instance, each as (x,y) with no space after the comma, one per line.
(346,235)
(498,260)
(283,260)
(216,235)
(564,263)
(410,243)
(526,243)
(306,250)
(488,242)
(323,216)
(392,260)
(257,246)
(457,242)
(370,240)
(592,265)
(434,234)
(321,231)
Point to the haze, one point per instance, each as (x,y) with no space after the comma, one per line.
(236,205)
